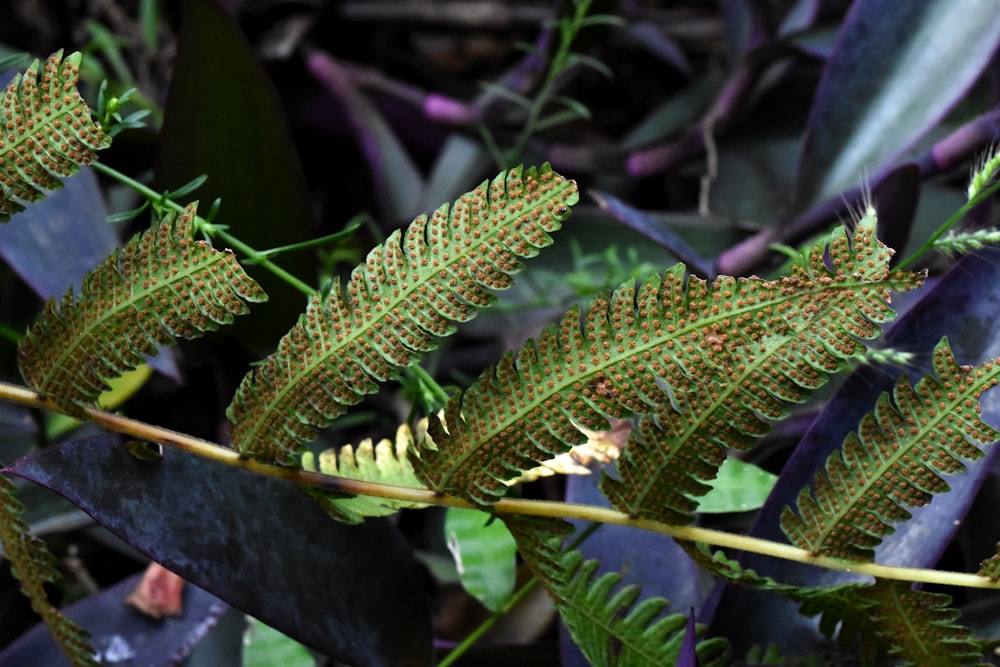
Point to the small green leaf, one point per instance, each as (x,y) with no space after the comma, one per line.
(739,487)
(263,646)
(485,554)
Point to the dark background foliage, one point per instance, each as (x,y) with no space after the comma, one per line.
(304,114)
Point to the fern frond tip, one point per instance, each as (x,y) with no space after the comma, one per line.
(47,132)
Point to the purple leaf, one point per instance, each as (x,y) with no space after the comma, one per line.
(688,656)
(655,231)
(119,634)
(352,592)
(896,70)
(397,180)
(53,243)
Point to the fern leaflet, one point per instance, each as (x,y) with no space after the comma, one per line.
(895,459)
(385,462)
(705,365)
(608,622)
(47,132)
(884,617)
(161,284)
(34,566)
(407,294)
(919,626)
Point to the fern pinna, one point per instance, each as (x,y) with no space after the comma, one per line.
(704,365)
(895,459)
(34,566)
(162,284)
(408,293)
(608,621)
(46,132)
(868,620)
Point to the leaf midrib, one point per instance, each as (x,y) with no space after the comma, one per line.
(905,448)
(136,298)
(457,252)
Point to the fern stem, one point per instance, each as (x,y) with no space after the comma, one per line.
(958,215)
(248,251)
(544,508)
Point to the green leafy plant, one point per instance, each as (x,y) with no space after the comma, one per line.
(699,367)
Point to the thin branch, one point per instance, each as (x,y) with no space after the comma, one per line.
(560,510)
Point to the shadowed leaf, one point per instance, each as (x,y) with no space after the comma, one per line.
(291,566)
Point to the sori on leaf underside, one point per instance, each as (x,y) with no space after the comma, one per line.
(699,368)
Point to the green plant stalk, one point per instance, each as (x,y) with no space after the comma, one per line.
(507,606)
(484,627)
(949,223)
(568,30)
(251,253)
(341,485)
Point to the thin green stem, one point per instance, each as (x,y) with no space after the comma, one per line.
(351,227)
(470,640)
(506,607)
(568,29)
(342,485)
(958,215)
(441,397)
(214,230)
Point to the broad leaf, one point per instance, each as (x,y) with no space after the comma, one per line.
(223,119)
(485,555)
(290,566)
(874,99)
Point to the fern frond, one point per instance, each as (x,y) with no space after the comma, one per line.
(609,622)
(161,284)
(33,565)
(409,292)
(704,364)
(46,132)
(896,459)
(386,462)
(919,626)
(842,609)
(884,617)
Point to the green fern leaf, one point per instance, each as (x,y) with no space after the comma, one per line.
(385,462)
(47,132)
(919,628)
(162,284)
(895,459)
(704,365)
(886,617)
(842,609)
(407,294)
(34,566)
(609,622)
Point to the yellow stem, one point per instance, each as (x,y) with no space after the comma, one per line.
(561,510)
